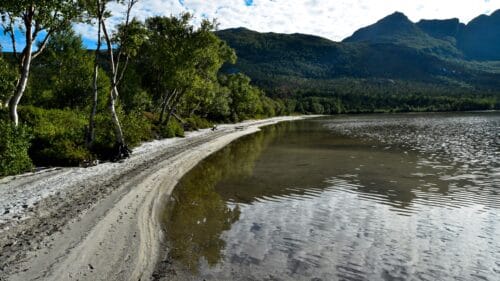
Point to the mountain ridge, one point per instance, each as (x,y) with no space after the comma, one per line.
(477,40)
(300,64)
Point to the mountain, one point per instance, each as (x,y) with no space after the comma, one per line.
(477,40)
(398,29)
(449,29)
(315,57)
(390,63)
(272,60)
(396,26)
(480,39)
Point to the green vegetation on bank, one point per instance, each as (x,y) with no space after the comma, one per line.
(371,95)
(14,145)
(161,77)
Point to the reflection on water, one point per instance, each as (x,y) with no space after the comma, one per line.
(380,197)
(196,215)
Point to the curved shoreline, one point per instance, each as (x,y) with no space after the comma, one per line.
(101,223)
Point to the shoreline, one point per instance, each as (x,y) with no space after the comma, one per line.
(101,223)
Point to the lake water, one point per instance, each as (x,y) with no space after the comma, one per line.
(368,197)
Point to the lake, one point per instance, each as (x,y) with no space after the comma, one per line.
(361,197)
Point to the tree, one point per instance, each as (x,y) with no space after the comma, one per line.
(95,10)
(244,98)
(36,20)
(209,55)
(63,72)
(128,38)
(182,62)
(162,58)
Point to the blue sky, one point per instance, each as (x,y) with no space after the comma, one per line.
(333,19)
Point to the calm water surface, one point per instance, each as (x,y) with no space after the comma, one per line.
(378,197)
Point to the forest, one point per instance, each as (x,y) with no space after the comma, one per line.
(64,105)
(326,77)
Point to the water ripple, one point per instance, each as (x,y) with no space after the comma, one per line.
(380,197)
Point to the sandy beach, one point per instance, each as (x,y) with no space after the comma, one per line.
(101,222)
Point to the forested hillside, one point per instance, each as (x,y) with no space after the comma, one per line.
(392,65)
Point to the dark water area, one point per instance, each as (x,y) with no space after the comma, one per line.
(368,197)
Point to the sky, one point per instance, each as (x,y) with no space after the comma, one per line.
(332,19)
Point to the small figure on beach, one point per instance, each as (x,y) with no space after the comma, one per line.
(214,127)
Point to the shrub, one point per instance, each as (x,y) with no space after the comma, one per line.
(268,107)
(136,128)
(104,141)
(174,129)
(195,123)
(59,136)
(8,77)
(14,145)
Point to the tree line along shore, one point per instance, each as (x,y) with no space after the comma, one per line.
(63,105)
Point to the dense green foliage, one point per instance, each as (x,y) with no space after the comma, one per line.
(349,95)
(14,145)
(62,76)
(7,80)
(58,136)
(243,99)
(171,84)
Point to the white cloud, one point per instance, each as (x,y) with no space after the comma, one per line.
(334,19)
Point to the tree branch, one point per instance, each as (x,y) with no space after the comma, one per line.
(130,5)
(28,21)
(124,69)
(10,31)
(42,45)
(111,58)
(47,36)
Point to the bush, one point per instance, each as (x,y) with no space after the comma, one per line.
(268,107)
(174,129)
(104,142)
(59,136)
(195,123)
(136,128)
(8,77)
(14,145)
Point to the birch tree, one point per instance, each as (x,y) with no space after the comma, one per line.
(37,20)
(95,10)
(128,37)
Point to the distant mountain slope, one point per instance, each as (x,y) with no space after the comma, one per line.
(431,56)
(480,39)
(278,60)
(477,40)
(449,29)
(398,29)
